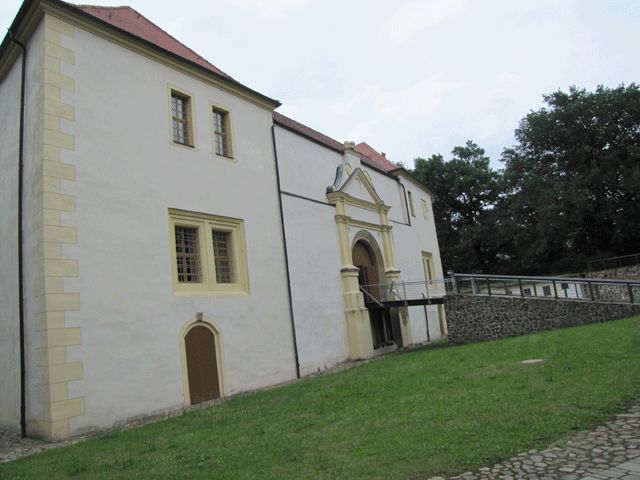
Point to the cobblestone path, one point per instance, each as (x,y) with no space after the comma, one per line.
(610,451)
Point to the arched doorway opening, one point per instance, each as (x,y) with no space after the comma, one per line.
(202,364)
(369,278)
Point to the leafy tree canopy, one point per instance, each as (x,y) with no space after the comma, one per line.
(569,190)
(464,191)
(573,179)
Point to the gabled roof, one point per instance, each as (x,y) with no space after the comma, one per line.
(367,155)
(129,25)
(375,158)
(310,133)
(128,19)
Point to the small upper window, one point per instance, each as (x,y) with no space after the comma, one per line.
(181,118)
(221,134)
(411,207)
(425,209)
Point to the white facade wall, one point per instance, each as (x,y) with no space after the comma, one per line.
(306,169)
(32,206)
(128,175)
(316,286)
(9,294)
(411,241)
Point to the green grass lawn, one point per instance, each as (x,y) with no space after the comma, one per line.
(411,415)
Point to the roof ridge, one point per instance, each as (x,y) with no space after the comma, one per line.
(181,43)
(326,138)
(105,7)
(128,7)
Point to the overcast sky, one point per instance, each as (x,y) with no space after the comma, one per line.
(410,77)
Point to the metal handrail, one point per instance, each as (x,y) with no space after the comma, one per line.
(618,262)
(594,285)
(557,279)
(364,290)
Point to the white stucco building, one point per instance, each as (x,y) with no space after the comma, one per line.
(179,240)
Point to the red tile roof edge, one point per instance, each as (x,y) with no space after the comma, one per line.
(325,140)
(194,56)
(189,55)
(377,158)
(308,132)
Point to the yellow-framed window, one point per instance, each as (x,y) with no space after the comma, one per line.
(181,123)
(221,132)
(208,253)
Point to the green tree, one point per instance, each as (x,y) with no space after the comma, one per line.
(573,180)
(464,191)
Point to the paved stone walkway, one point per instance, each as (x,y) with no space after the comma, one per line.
(12,446)
(610,451)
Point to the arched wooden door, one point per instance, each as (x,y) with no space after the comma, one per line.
(368,275)
(369,278)
(202,364)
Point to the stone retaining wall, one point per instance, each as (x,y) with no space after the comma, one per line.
(631,272)
(472,318)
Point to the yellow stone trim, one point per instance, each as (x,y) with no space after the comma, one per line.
(59,302)
(126,42)
(61,268)
(57,201)
(51,122)
(54,234)
(50,430)
(63,82)
(67,372)
(205,223)
(52,250)
(63,171)
(52,64)
(51,93)
(51,217)
(74,407)
(60,139)
(62,337)
(60,53)
(55,392)
(59,109)
(191,118)
(356,314)
(44,285)
(50,184)
(51,358)
(230,132)
(49,320)
(333,197)
(217,334)
(49,152)
(61,26)
(368,225)
(53,285)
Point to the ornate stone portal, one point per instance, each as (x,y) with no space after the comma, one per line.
(356,313)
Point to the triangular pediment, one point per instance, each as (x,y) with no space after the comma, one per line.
(359,186)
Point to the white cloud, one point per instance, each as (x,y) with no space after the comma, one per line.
(394,107)
(270,8)
(419,15)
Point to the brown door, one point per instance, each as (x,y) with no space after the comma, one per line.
(368,275)
(202,367)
